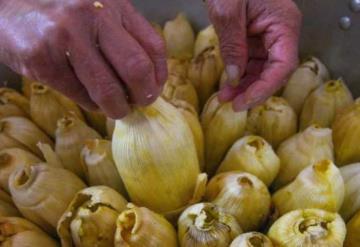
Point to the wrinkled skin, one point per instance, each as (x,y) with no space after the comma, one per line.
(259,43)
(109,56)
(94,55)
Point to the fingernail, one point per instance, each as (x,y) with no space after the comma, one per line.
(233,75)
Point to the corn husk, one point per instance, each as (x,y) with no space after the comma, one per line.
(322,104)
(7,207)
(222,127)
(242,195)
(254,155)
(346,135)
(180,88)
(303,150)
(90,219)
(19,132)
(139,226)
(110,126)
(323,71)
(318,186)
(179,37)
(205,71)
(274,120)
(48,106)
(12,159)
(302,82)
(10,96)
(308,228)
(26,86)
(351,176)
(97,120)
(192,119)
(18,232)
(71,135)
(155,144)
(353,231)
(178,67)
(98,165)
(9,108)
(206,38)
(205,224)
(42,193)
(252,239)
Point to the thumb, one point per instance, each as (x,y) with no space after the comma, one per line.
(229,20)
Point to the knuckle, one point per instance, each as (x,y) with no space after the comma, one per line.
(104,91)
(138,67)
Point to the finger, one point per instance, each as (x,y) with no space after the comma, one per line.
(229,20)
(148,38)
(101,82)
(130,62)
(229,93)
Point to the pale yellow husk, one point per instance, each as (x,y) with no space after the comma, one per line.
(12,159)
(90,219)
(353,232)
(179,37)
(18,232)
(42,193)
(346,135)
(308,228)
(19,132)
(10,110)
(252,239)
(71,134)
(275,121)
(241,195)
(156,156)
(10,96)
(99,166)
(321,105)
(302,82)
(205,72)
(7,207)
(318,186)
(110,126)
(180,88)
(303,150)
(351,176)
(205,39)
(177,67)
(205,224)
(139,227)
(96,120)
(222,127)
(26,86)
(323,71)
(254,155)
(47,106)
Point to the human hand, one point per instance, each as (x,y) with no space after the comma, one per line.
(103,54)
(259,44)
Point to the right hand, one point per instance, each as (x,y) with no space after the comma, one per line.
(101,54)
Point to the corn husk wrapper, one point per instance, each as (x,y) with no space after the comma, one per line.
(346,135)
(179,37)
(205,38)
(18,232)
(99,166)
(177,67)
(254,155)
(139,226)
(252,239)
(353,231)
(323,71)
(48,106)
(205,72)
(180,88)
(26,86)
(302,82)
(318,186)
(242,195)
(322,104)
(222,127)
(205,224)
(303,150)
(12,159)
(351,176)
(274,120)
(7,207)
(155,154)
(11,96)
(90,219)
(42,193)
(110,126)
(71,135)
(308,228)
(19,132)
(192,119)
(97,120)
